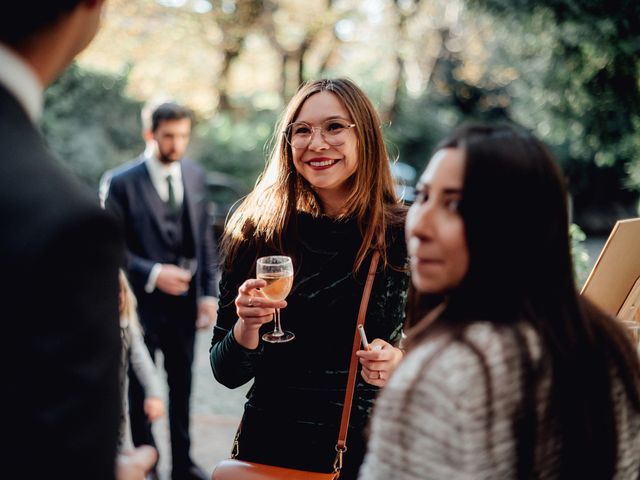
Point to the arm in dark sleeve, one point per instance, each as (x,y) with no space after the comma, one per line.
(117,203)
(395,310)
(232,364)
(397,285)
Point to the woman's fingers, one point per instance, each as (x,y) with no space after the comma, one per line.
(246,311)
(379,362)
(250,296)
(380,351)
(376,378)
(249,285)
(252,307)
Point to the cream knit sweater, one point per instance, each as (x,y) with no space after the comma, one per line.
(439,432)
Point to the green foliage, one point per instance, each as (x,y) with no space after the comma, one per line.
(579,63)
(566,69)
(420,123)
(235,145)
(90,122)
(579,254)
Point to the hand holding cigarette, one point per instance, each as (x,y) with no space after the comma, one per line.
(378,359)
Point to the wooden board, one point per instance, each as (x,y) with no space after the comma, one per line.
(616,272)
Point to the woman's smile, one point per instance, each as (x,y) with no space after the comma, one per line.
(322,163)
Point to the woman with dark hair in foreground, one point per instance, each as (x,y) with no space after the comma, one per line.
(513,375)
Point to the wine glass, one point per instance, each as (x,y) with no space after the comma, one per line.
(188,264)
(277,271)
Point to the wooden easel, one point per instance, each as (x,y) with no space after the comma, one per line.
(630,309)
(614,281)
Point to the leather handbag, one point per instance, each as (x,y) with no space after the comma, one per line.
(234,469)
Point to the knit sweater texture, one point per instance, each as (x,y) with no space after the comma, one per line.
(430,421)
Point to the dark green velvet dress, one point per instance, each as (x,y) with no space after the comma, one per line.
(293,410)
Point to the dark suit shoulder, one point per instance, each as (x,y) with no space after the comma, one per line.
(120,169)
(194,167)
(130,169)
(38,195)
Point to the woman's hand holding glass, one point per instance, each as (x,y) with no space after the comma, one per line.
(379,362)
(253,310)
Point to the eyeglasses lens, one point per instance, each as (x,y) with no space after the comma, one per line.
(334,132)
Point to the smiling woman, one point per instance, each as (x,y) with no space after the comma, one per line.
(327,199)
(327,160)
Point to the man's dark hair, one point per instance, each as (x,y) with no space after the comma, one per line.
(169,111)
(22,19)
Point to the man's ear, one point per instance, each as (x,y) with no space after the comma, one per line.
(147,135)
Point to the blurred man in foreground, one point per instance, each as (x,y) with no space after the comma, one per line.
(59,258)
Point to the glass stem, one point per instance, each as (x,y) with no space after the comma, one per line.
(277,330)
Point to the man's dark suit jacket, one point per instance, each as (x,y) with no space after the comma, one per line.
(59,257)
(133,197)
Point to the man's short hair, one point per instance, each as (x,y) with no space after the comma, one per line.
(22,19)
(149,107)
(169,111)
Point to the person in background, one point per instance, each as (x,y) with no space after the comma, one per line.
(171,263)
(59,257)
(135,353)
(150,147)
(326,199)
(513,374)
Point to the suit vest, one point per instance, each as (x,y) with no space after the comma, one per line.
(179,236)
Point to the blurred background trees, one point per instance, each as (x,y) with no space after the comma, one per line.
(91,122)
(566,69)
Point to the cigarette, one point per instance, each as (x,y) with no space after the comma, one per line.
(363,337)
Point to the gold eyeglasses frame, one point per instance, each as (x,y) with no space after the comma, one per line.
(320,129)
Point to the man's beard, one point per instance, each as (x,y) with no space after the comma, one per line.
(165,159)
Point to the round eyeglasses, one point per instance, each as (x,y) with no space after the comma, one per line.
(333,131)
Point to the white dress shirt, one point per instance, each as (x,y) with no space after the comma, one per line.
(158,172)
(20,79)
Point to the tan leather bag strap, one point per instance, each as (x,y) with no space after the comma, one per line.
(341,446)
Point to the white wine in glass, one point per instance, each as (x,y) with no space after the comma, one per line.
(277,271)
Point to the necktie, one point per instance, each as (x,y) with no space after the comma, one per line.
(173,206)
